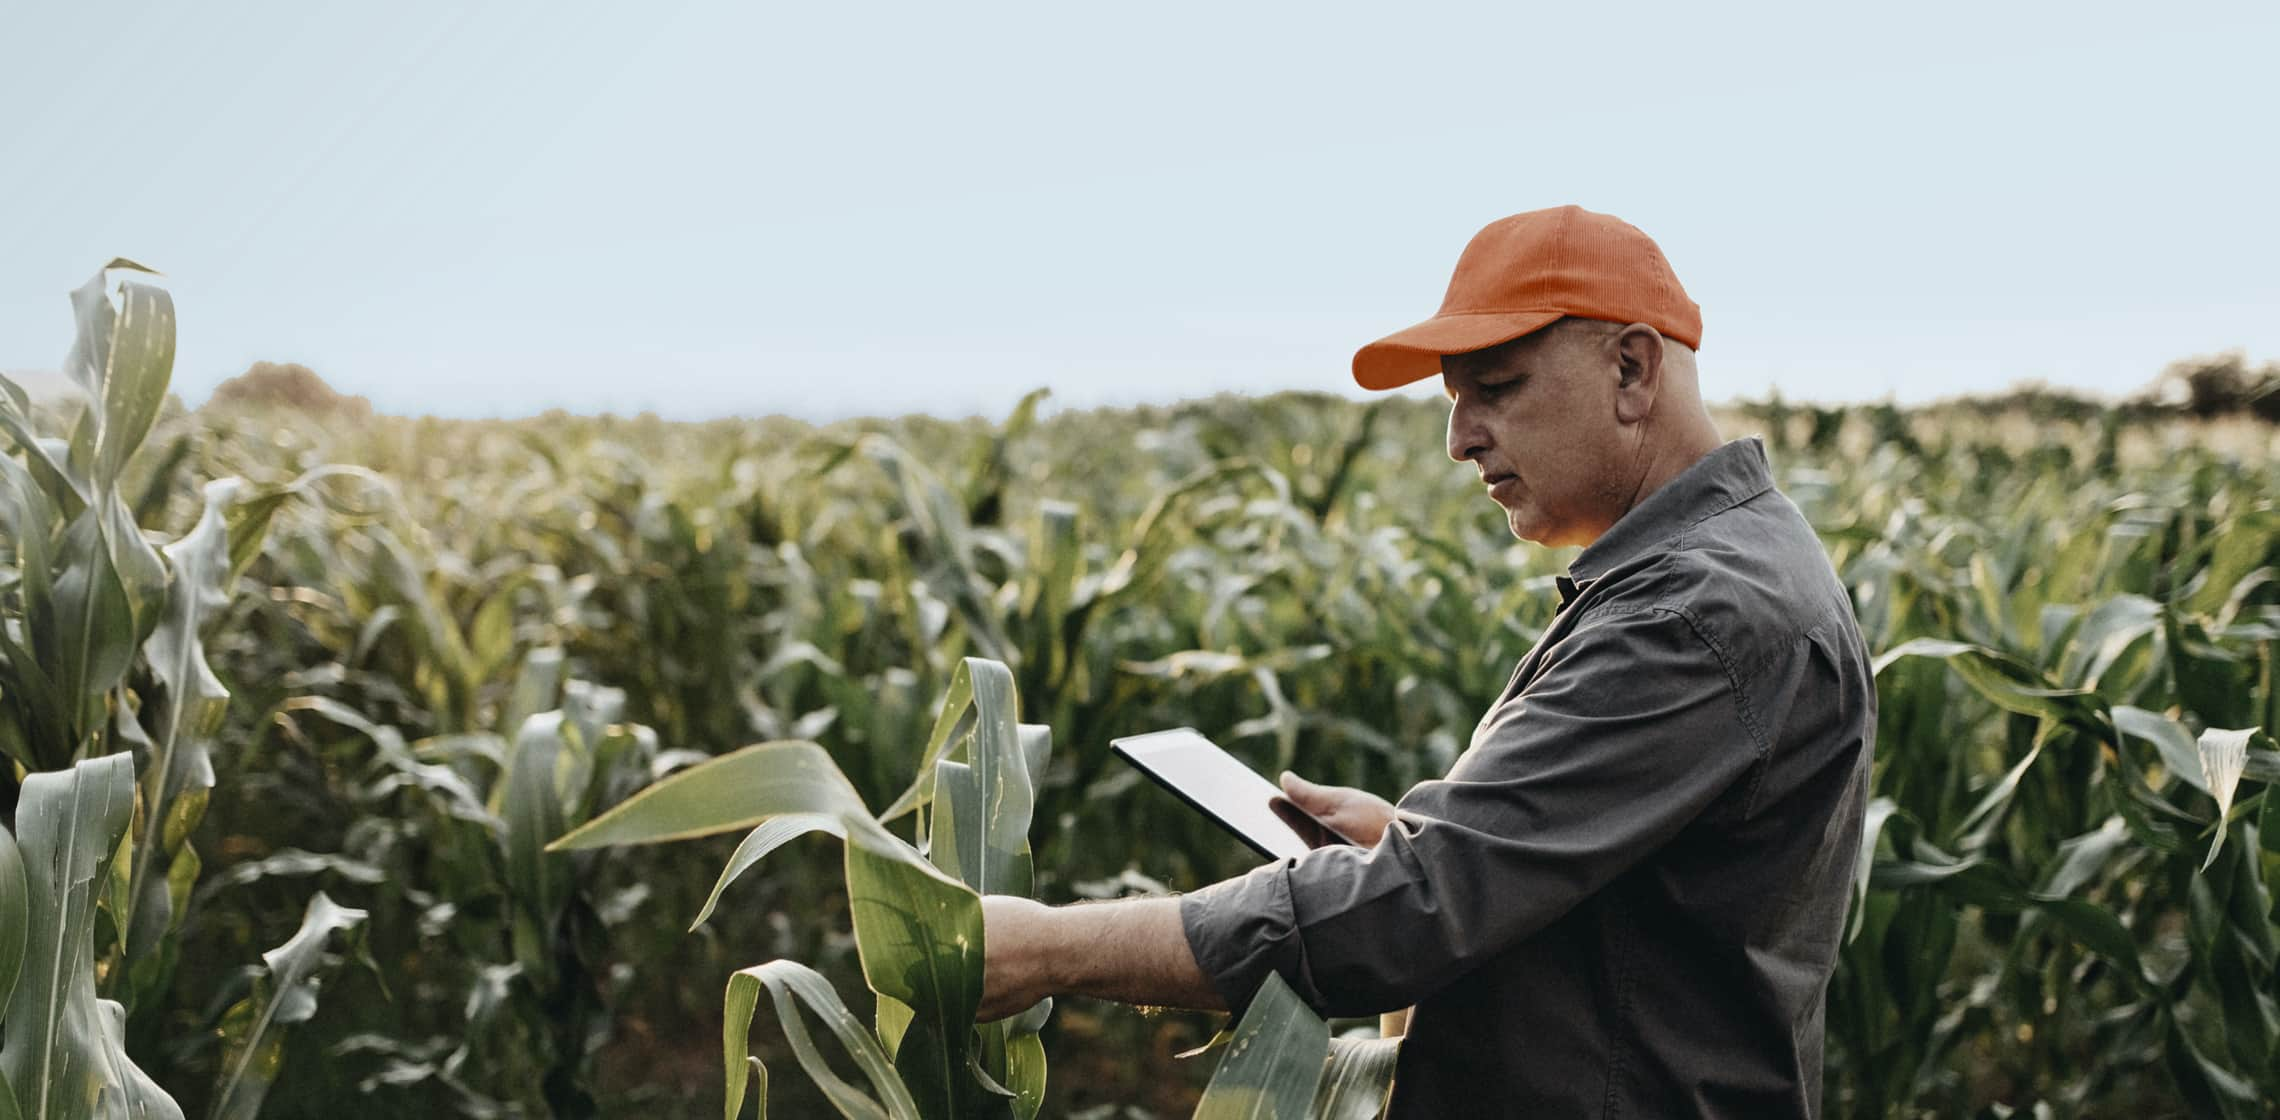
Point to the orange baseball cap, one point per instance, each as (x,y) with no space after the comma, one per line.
(1520,274)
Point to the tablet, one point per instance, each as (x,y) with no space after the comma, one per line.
(1208,778)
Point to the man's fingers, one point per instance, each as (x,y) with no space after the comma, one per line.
(1303,792)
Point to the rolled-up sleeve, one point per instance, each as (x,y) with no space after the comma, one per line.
(1633,728)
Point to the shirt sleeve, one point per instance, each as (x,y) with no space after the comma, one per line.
(1633,728)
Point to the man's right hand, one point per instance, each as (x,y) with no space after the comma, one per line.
(1357,815)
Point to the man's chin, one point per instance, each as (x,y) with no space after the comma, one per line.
(1530,529)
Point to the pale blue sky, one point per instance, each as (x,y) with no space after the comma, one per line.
(824,209)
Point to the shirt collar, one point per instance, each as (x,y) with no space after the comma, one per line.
(1726,477)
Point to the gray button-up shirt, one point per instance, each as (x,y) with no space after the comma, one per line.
(1626,897)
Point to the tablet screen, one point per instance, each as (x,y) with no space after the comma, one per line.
(1212,780)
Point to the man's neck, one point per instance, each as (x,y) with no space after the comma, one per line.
(1669,455)
(1676,455)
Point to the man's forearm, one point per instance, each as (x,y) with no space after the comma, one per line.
(1131,951)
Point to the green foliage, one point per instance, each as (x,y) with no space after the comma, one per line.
(252,1029)
(2063,608)
(916,914)
(103,667)
(1273,1063)
(64,1051)
(917,920)
(401,655)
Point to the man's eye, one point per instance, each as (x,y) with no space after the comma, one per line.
(1495,388)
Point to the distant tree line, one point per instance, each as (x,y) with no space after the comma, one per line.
(287,385)
(2221,385)
(2203,387)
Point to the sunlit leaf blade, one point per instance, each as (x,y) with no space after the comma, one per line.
(918,931)
(979,726)
(141,357)
(1036,751)
(737,1006)
(792,986)
(1025,1073)
(919,934)
(1273,1064)
(252,1034)
(769,836)
(534,812)
(175,784)
(2179,756)
(736,790)
(95,622)
(2224,754)
(1359,1079)
(890,1022)
(951,730)
(59,1054)
(1872,828)
(1001,770)
(954,823)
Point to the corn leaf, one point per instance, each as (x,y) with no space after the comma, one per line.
(736,790)
(918,931)
(1359,1079)
(252,1038)
(954,830)
(2224,754)
(60,486)
(37,712)
(1273,1065)
(61,1055)
(2179,756)
(122,357)
(542,770)
(176,782)
(769,836)
(980,727)
(95,629)
(919,934)
(790,985)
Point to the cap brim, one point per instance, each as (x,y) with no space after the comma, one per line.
(1415,353)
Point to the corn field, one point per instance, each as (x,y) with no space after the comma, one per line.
(337,752)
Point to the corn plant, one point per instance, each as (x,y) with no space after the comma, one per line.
(103,665)
(917,911)
(2064,816)
(478,807)
(917,917)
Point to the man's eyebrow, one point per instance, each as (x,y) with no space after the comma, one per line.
(1507,374)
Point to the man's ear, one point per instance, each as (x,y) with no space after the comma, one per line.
(1639,370)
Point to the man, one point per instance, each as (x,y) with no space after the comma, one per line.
(1626,897)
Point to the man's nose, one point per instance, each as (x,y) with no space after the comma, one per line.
(1466,441)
